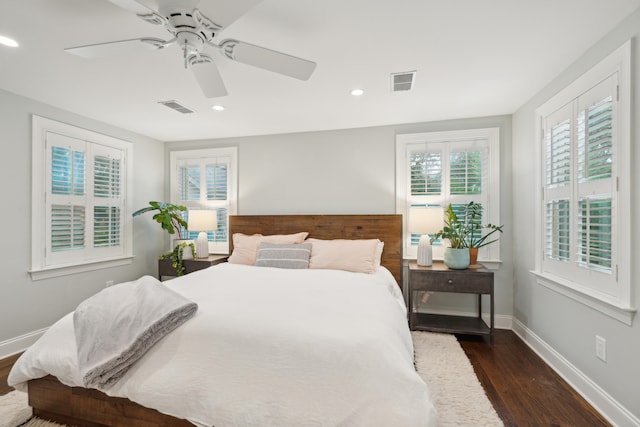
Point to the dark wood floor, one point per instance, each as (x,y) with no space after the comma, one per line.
(5,367)
(523,389)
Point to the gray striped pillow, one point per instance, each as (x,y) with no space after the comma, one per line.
(283,255)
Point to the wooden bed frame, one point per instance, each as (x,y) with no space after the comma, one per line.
(77,406)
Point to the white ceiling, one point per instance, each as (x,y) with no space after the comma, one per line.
(473,58)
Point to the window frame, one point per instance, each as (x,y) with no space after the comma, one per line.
(41,267)
(490,257)
(177,156)
(616,304)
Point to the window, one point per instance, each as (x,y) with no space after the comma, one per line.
(442,168)
(80,184)
(206,179)
(584,170)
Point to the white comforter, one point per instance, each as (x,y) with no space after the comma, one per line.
(269,347)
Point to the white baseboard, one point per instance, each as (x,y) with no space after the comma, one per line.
(610,408)
(19,344)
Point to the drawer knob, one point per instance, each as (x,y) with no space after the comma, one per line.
(449,281)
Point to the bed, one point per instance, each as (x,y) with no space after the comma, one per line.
(318,380)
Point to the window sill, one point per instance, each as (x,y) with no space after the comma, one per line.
(64,270)
(621,313)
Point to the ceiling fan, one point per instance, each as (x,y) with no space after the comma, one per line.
(195,33)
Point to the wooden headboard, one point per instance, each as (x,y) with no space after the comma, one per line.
(387,228)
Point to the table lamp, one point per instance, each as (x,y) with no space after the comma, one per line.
(425,220)
(202,221)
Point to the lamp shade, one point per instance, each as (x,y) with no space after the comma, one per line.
(202,220)
(425,219)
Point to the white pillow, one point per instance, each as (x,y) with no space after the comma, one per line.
(379,249)
(245,247)
(359,256)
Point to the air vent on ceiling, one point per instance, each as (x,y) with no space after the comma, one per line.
(402,82)
(175,105)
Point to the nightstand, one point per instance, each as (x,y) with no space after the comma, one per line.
(439,278)
(165,269)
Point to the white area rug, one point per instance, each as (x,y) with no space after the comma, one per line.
(14,409)
(442,364)
(459,397)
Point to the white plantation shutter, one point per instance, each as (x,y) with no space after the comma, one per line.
(426,173)
(558,230)
(107,201)
(79,200)
(466,171)
(595,184)
(557,178)
(579,196)
(449,168)
(583,242)
(84,203)
(189,182)
(67,227)
(216,178)
(205,179)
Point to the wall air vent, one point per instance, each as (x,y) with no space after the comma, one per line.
(175,105)
(402,82)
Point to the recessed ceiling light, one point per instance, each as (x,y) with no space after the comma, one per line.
(8,41)
(357,92)
(218,107)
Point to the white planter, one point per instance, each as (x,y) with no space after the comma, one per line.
(187,253)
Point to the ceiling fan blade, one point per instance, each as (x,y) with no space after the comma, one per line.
(208,76)
(268,59)
(122,47)
(132,6)
(225,12)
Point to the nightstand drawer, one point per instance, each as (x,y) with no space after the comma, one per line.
(449,281)
(452,281)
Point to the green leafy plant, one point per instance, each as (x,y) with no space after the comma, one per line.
(474,237)
(453,230)
(168,215)
(176,256)
(465,230)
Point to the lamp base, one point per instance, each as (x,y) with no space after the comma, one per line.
(425,251)
(202,245)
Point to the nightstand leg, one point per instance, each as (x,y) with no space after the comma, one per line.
(491,327)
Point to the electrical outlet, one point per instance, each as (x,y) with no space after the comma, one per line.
(109,283)
(601,348)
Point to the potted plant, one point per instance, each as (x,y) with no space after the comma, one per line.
(464,232)
(177,255)
(474,238)
(456,256)
(169,216)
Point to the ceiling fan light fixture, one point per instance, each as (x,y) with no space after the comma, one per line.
(218,107)
(8,41)
(357,92)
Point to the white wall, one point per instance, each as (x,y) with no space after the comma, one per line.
(568,327)
(27,305)
(350,171)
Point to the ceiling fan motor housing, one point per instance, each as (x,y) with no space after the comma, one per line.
(189,35)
